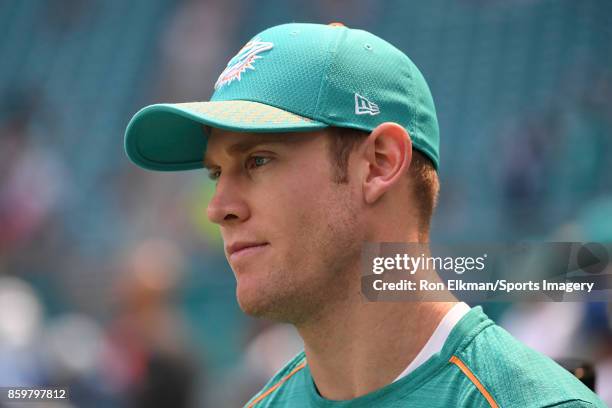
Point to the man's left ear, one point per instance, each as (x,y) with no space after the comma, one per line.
(388,153)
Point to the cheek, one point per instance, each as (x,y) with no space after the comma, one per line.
(304,200)
(299,208)
(293,215)
(315,215)
(295,191)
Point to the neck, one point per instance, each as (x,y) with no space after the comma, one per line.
(359,347)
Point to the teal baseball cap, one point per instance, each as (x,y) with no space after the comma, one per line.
(293,78)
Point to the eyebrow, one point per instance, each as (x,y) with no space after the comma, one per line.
(242,147)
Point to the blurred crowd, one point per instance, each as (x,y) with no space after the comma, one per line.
(114,284)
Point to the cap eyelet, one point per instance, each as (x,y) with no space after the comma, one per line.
(367,47)
(294,32)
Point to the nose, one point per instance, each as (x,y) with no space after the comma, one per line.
(227,205)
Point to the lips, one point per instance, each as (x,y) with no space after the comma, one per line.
(243,248)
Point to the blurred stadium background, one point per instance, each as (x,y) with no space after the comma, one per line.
(113,283)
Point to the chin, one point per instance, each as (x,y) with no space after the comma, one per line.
(260,309)
(256,301)
(251,298)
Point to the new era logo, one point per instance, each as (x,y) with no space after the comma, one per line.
(363,106)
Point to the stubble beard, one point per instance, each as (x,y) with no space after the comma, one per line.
(312,281)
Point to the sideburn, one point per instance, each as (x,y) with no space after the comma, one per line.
(341,142)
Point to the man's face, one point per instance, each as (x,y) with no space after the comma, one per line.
(291,234)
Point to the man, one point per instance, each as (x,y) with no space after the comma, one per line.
(321,138)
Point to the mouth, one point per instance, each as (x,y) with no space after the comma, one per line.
(239,250)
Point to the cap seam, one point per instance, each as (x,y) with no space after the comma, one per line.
(424,144)
(414,125)
(325,78)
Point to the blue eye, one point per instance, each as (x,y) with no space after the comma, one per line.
(214,174)
(256,161)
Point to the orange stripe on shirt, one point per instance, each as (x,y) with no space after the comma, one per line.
(455,360)
(278,384)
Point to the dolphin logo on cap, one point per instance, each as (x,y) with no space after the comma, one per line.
(242,61)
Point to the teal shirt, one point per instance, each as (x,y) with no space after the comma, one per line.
(480,365)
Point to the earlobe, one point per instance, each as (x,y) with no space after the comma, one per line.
(388,154)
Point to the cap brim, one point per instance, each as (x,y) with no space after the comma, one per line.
(170,137)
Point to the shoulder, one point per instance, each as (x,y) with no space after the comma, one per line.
(515,375)
(280,379)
